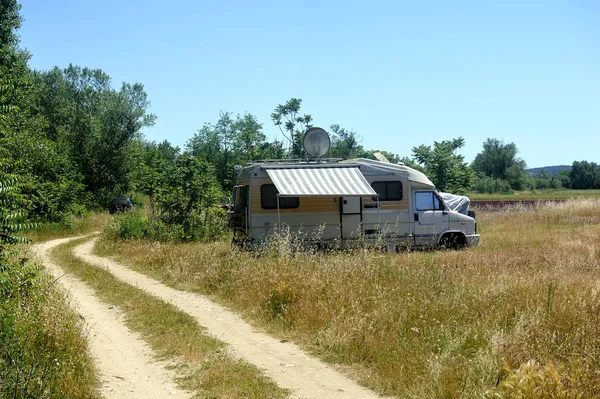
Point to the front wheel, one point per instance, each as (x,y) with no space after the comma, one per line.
(453,241)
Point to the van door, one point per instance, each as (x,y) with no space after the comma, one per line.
(430,218)
(351,217)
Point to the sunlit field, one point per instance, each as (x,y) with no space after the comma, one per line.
(550,194)
(517,314)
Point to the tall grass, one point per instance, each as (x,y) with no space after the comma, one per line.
(43,347)
(89,223)
(520,311)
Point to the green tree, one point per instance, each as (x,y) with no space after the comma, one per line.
(345,143)
(565,178)
(585,175)
(188,200)
(499,161)
(292,125)
(152,161)
(444,166)
(98,124)
(249,140)
(232,141)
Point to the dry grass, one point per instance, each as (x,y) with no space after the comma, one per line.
(524,306)
(202,362)
(548,194)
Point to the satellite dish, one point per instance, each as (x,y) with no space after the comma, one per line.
(316,142)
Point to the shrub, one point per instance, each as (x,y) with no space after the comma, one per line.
(129,226)
(489,185)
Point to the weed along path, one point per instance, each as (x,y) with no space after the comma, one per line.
(285,363)
(125,362)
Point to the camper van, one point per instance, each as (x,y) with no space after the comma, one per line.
(341,203)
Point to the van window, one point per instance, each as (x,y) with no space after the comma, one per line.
(268,198)
(427,201)
(388,190)
(242,196)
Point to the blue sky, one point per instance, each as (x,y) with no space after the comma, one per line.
(399,73)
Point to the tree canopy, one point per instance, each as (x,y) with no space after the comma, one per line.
(444,166)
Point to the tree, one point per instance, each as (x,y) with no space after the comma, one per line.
(249,138)
(345,143)
(291,125)
(499,161)
(10,21)
(444,166)
(98,125)
(214,144)
(187,199)
(585,175)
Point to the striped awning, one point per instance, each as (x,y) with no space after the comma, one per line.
(320,181)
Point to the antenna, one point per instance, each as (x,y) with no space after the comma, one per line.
(316,142)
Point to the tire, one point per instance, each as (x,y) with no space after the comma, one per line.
(453,241)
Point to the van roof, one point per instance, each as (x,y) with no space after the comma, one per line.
(367,166)
(370,166)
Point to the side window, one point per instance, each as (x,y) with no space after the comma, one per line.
(437,203)
(424,200)
(243,196)
(388,190)
(428,201)
(268,198)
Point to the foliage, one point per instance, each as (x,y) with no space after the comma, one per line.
(232,141)
(185,203)
(97,124)
(292,126)
(499,161)
(447,169)
(187,197)
(543,180)
(495,159)
(585,175)
(489,185)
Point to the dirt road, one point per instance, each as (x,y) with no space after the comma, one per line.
(126,364)
(285,363)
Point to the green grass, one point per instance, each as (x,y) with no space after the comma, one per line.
(521,310)
(563,194)
(202,361)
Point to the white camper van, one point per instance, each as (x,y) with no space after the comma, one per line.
(341,202)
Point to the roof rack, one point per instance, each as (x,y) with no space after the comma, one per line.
(296,161)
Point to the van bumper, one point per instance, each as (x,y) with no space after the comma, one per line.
(473,240)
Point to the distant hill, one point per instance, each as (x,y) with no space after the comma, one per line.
(553,170)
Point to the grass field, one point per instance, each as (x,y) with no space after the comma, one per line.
(538,195)
(518,316)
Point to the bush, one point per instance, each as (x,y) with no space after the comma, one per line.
(488,185)
(206,226)
(129,226)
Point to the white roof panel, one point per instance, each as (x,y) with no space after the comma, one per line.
(320,181)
